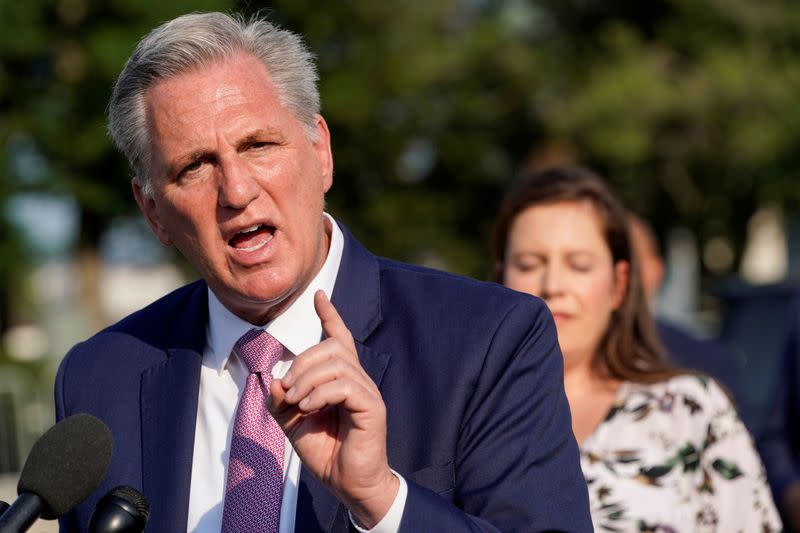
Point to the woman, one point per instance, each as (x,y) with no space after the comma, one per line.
(661,450)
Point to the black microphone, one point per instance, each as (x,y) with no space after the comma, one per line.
(65,465)
(123,510)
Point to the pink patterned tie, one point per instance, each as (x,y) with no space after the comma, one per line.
(255,469)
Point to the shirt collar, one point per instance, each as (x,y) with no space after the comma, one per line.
(297,328)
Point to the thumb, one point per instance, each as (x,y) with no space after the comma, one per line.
(287,416)
(277,395)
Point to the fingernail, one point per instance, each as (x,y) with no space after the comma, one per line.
(303,403)
(287,377)
(290,394)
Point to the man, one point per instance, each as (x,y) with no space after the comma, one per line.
(433,402)
(779,439)
(683,349)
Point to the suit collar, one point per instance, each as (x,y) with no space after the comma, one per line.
(356,294)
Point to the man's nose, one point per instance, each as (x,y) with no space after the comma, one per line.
(238,185)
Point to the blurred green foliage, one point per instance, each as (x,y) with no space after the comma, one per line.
(687,106)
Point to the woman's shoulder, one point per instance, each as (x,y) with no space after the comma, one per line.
(691,397)
(701,386)
(663,416)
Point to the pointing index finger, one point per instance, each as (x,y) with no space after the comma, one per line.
(332,324)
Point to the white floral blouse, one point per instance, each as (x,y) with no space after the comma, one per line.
(674,457)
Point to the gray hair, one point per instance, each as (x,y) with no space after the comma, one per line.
(196,40)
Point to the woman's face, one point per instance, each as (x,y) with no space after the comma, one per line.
(558,253)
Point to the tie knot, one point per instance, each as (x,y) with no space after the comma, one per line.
(259,350)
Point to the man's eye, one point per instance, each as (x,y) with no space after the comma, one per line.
(191,167)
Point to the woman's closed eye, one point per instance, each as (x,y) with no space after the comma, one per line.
(527,264)
(581,263)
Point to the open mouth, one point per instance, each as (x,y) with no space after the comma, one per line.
(252,238)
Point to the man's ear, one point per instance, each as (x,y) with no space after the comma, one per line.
(150,211)
(322,145)
(622,280)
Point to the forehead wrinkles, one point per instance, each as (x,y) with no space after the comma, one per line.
(175,119)
(222,96)
(166,104)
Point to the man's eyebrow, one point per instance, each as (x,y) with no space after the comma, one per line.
(259,135)
(186,159)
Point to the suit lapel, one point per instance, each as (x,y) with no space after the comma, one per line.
(169,395)
(169,409)
(357,298)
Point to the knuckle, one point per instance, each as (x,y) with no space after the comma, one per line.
(299,363)
(346,387)
(330,347)
(340,367)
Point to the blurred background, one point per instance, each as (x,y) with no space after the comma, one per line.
(689,108)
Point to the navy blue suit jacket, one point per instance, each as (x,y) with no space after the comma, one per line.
(779,439)
(471,374)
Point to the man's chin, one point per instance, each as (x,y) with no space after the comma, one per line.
(258,306)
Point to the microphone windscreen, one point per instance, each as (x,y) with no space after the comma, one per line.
(134,497)
(67,463)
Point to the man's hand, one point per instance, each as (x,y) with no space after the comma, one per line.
(335,418)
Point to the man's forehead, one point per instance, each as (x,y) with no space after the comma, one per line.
(222,95)
(227,83)
(219,79)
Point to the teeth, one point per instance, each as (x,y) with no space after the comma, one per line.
(257,246)
(251,229)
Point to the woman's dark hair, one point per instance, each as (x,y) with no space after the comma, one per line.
(630,349)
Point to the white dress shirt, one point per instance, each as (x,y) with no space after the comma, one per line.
(222,381)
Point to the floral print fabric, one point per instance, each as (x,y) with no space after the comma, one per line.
(674,457)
